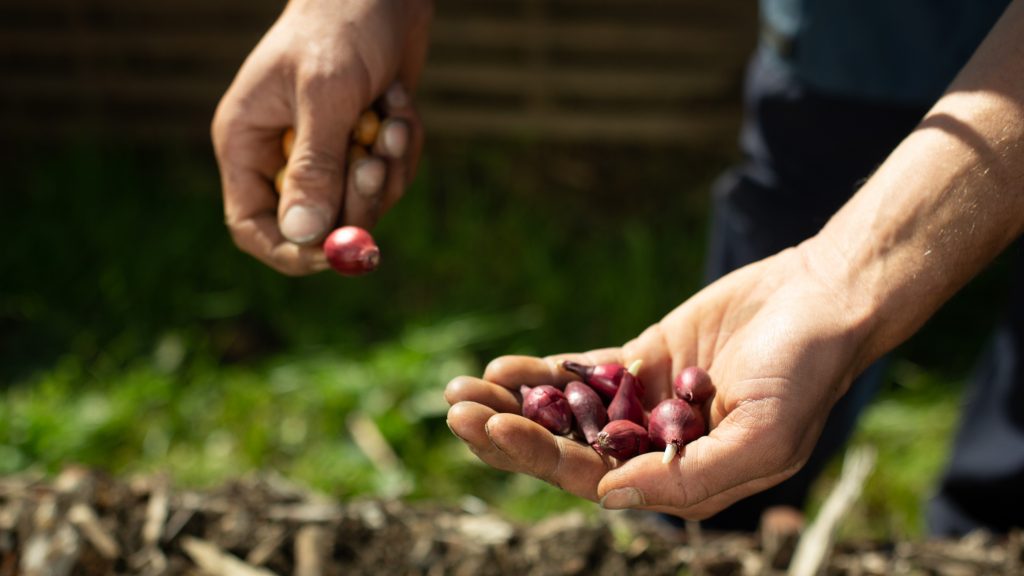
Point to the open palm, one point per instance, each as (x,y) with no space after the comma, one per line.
(781,347)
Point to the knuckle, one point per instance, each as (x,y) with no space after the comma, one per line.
(552,471)
(323,72)
(221,113)
(314,169)
(225,132)
(216,128)
(220,128)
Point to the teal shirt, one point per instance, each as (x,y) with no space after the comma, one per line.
(898,51)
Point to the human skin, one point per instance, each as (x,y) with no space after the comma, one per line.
(783,338)
(318,67)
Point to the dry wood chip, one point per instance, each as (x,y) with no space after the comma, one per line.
(815,544)
(274,536)
(84,518)
(309,512)
(284,489)
(156,514)
(210,558)
(177,522)
(371,441)
(148,561)
(310,551)
(235,528)
(150,530)
(488,530)
(76,482)
(51,553)
(695,536)
(10,515)
(17,486)
(46,513)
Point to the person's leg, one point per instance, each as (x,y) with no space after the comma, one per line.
(805,155)
(982,484)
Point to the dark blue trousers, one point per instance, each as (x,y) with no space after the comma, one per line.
(804,155)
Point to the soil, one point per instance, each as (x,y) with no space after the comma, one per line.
(83,522)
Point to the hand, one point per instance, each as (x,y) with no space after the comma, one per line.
(781,344)
(317,69)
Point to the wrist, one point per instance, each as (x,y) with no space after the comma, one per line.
(407,16)
(857,304)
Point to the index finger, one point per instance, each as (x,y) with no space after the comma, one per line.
(511,442)
(514,371)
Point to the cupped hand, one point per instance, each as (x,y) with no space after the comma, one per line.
(317,69)
(781,343)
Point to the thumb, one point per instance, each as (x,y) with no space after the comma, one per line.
(314,182)
(738,459)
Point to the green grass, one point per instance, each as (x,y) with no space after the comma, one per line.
(205,423)
(135,337)
(911,427)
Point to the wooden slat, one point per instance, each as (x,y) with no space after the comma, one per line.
(461,33)
(593,83)
(126,10)
(161,90)
(562,69)
(199,45)
(625,11)
(713,129)
(589,36)
(708,129)
(185,91)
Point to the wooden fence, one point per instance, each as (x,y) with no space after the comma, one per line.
(622,70)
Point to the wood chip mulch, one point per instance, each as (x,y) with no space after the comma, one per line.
(86,523)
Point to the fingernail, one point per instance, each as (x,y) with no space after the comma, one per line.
(394,138)
(369,176)
(452,430)
(622,498)
(303,224)
(396,96)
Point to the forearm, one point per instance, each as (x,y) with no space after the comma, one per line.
(942,206)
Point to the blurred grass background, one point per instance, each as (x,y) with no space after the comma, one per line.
(134,337)
(137,338)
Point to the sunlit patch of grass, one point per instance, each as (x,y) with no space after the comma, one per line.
(911,425)
(204,423)
(528,499)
